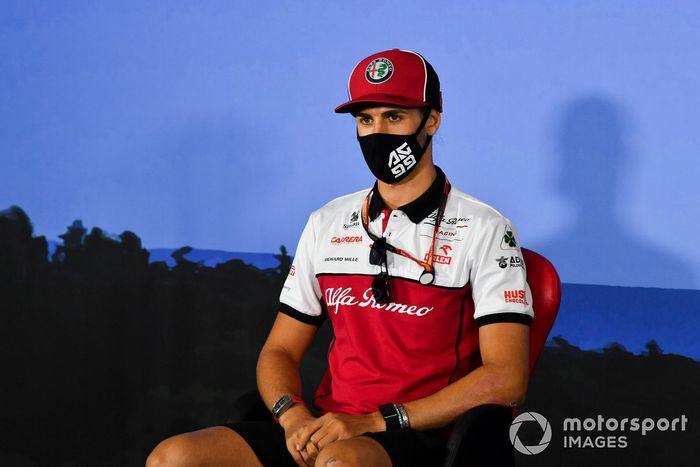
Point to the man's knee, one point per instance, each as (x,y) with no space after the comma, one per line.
(353,452)
(172,452)
(339,454)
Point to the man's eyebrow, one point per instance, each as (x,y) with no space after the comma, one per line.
(394,111)
(384,114)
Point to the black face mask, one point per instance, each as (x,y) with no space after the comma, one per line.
(391,158)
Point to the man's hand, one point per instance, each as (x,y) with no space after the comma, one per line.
(314,436)
(293,420)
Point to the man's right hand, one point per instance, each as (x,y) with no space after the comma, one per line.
(292,420)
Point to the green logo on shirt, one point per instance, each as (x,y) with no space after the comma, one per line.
(509,239)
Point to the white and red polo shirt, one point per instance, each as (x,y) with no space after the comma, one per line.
(427,337)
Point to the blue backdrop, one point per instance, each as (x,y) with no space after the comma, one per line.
(210,123)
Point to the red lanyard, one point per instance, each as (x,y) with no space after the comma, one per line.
(428,274)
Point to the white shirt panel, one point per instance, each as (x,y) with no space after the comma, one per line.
(470,247)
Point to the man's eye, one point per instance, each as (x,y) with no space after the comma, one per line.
(365,120)
(394,117)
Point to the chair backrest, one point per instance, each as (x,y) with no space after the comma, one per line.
(546,296)
(481,435)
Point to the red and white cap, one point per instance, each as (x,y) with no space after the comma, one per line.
(396,77)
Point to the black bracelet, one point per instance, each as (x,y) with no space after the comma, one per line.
(391,417)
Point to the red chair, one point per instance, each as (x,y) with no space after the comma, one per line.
(546,297)
(481,435)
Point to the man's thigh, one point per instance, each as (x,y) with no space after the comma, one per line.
(400,448)
(266,440)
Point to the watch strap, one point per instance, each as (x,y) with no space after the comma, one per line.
(283,404)
(391,417)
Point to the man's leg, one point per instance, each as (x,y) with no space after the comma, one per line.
(215,446)
(360,451)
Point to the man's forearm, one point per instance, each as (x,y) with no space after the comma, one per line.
(485,385)
(277,374)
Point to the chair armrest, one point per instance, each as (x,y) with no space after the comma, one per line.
(481,437)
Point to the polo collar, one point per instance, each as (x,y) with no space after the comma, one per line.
(419,208)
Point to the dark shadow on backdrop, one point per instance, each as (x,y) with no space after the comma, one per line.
(599,248)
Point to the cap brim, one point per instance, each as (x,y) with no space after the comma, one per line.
(378,99)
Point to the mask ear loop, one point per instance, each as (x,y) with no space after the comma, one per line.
(428,137)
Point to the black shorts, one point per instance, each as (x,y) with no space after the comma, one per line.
(406,448)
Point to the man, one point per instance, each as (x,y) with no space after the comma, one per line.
(392,267)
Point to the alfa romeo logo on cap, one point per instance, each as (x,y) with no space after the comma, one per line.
(379,70)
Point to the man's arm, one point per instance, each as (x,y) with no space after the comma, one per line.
(278,374)
(502,379)
(279,362)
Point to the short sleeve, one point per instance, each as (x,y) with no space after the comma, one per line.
(498,276)
(300,296)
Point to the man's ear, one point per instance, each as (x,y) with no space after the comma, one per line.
(433,123)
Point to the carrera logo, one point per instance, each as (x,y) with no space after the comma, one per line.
(514,296)
(401,159)
(346,239)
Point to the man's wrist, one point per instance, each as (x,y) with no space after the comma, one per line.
(283,403)
(291,413)
(377,422)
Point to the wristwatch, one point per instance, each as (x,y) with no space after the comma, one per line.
(283,404)
(395,416)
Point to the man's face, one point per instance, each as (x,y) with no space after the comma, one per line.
(387,119)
